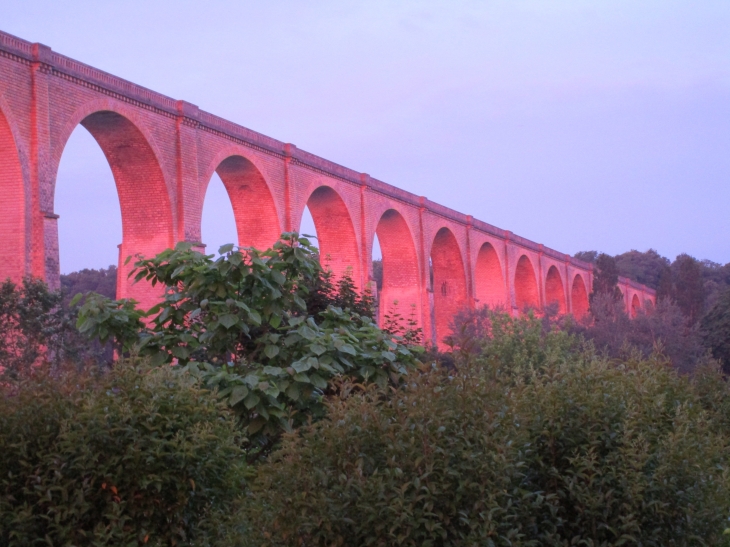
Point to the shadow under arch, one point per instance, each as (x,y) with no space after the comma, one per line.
(491,289)
(554,290)
(579,297)
(338,247)
(13,207)
(144,199)
(449,282)
(526,292)
(401,279)
(257,221)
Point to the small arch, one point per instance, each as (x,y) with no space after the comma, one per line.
(257,221)
(337,242)
(449,282)
(579,297)
(635,306)
(554,291)
(147,218)
(489,281)
(401,280)
(526,292)
(12,206)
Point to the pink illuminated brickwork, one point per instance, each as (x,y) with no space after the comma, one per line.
(163,153)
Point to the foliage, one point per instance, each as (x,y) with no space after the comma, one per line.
(688,286)
(242,323)
(102,281)
(716,330)
(536,445)
(36,329)
(134,457)
(605,280)
(406,328)
(587,256)
(648,268)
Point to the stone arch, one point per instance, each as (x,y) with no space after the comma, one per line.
(449,281)
(579,297)
(338,246)
(401,279)
(635,306)
(526,292)
(491,289)
(554,291)
(13,204)
(254,208)
(144,196)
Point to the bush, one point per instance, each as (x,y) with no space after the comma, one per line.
(550,450)
(134,457)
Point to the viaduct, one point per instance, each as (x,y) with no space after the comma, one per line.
(163,152)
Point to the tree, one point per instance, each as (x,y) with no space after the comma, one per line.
(242,322)
(716,330)
(689,287)
(605,280)
(646,268)
(586,256)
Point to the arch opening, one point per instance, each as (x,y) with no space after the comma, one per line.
(400,291)
(217,222)
(554,292)
(488,279)
(254,211)
(579,297)
(144,201)
(13,209)
(449,283)
(635,306)
(526,293)
(338,247)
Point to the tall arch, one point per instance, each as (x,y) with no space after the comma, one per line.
(13,211)
(147,219)
(579,297)
(338,246)
(449,281)
(554,291)
(635,306)
(491,289)
(401,280)
(257,221)
(526,292)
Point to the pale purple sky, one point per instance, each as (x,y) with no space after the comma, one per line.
(579,124)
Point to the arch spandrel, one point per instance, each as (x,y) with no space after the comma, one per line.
(555,290)
(490,287)
(527,294)
(449,282)
(579,296)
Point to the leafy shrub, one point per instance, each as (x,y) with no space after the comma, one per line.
(36,329)
(133,457)
(545,447)
(243,323)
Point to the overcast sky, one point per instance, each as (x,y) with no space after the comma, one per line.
(579,124)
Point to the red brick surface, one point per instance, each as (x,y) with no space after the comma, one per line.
(163,153)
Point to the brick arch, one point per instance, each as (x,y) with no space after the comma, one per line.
(635,306)
(554,291)
(144,196)
(401,274)
(579,296)
(254,208)
(488,279)
(338,245)
(13,206)
(449,281)
(526,292)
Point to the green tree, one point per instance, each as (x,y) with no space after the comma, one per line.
(605,279)
(646,268)
(242,323)
(689,286)
(716,330)
(586,256)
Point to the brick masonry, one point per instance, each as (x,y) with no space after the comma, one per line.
(163,153)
